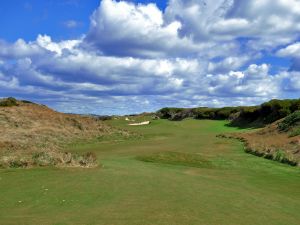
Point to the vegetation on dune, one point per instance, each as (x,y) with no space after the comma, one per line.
(241,116)
(170,113)
(30,128)
(295,132)
(290,121)
(278,155)
(198,113)
(42,159)
(291,124)
(269,112)
(8,102)
(278,141)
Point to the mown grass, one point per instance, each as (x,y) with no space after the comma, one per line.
(239,189)
(177,158)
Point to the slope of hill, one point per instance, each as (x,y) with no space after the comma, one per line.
(242,116)
(279,141)
(279,138)
(32,131)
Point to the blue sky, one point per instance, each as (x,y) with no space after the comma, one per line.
(27,19)
(49,17)
(119,57)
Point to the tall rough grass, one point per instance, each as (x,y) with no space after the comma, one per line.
(268,153)
(57,159)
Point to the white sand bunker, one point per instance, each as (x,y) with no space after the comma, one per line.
(140,124)
(127,119)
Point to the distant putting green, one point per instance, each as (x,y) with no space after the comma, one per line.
(177,173)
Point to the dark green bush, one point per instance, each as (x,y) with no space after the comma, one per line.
(167,113)
(27,102)
(289,121)
(275,109)
(8,102)
(266,113)
(204,113)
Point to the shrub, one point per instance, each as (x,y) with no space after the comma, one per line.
(27,102)
(295,105)
(266,113)
(226,112)
(8,102)
(43,159)
(279,155)
(75,123)
(167,113)
(289,121)
(88,159)
(18,163)
(13,162)
(68,159)
(295,132)
(103,118)
(275,110)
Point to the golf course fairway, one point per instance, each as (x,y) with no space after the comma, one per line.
(174,173)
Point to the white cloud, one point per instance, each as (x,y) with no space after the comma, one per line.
(292,50)
(11,83)
(254,81)
(292,81)
(43,46)
(192,27)
(227,64)
(274,20)
(257,71)
(72,24)
(230,26)
(45,42)
(125,29)
(19,49)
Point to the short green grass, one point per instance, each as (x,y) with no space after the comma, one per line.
(177,158)
(237,188)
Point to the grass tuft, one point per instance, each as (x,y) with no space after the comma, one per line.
(42,159)
(295,132)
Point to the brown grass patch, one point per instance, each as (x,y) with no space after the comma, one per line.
(271,143)
(41,159)
(28,128)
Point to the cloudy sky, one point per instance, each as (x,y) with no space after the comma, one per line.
(118,57)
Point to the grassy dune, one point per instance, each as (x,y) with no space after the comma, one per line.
(34,135)
(167,188)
